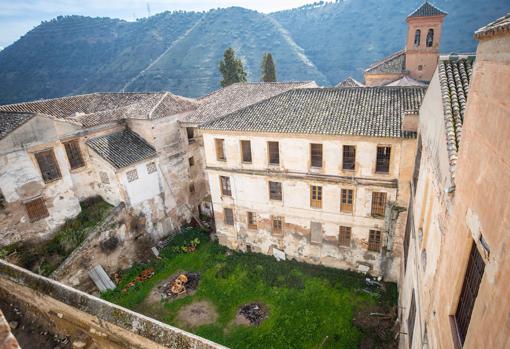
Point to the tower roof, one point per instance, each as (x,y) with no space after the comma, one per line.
(427,10)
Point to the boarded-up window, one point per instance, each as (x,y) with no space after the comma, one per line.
(382,164)
(104,177)
(374,240)
(410,320)
(191,161)
(316,196)
(132,175)
(252,220)
(316,232)
(349,157)
(344,237)
(273,149)
(277,225)
(275,191)
(74,154)
(151,167)
(226,190)
(346,200)
(316,155)
(48,165)
(378,204)
(192,188)
(190,133)
(36,209)
(220,149)
(229,216)
(246,151)
(472,280)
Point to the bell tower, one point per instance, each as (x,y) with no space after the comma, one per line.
(423,38)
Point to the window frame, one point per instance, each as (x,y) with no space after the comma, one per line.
(251,220)
(36,213)
(278,185)
(277,231)
(225,186)
(74,154)
(344,167)
(226,216)
(39,157)
(130,177)
(378,204)
(190,131)
(151,167)
(385,161)
(344,236)
(273,152)
(246,150)
(346,207)
(374,240)
(219,146)
(316,155)
(316,196)
(417,38)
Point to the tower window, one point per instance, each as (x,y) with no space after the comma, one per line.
(430,37)
(417,37)
(420,67)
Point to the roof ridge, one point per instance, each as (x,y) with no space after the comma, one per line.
(386,59)
(427,10)
(157,105)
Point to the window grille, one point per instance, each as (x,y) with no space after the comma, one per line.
(316,155)
(346,200)
(274,153)
(277,225)
(275,191)
(383,159)
(151,167)
(374,240)
(378,204)
(349,157)
(48,165)
(36,209)
(344,237)
(132,175)
(252,220)
(74,154)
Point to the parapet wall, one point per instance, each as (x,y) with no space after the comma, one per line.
(83,317)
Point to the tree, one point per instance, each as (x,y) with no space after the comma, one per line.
(268,68)
(231,68)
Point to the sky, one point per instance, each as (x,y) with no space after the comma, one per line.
(19,16)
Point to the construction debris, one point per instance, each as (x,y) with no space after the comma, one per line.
(181,284)
(143,276)
(255,313)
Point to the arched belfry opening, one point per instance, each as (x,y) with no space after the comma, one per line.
(417,38)
(430,38)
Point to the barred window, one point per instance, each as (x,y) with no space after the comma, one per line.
(246,151)
(275,191)
(48,165)
(274,153)
(410,320)
(226,190)
(316,155)
(151,167)
(277,225)
(349,157)
(252,220)
(344,237)
(346,200)
(220,149)
(104,177)
(383,159)
(132,175)
(374,240)
(74,154)
(316,196)
(229,216)
(36,209)
(378,204)
(316,232)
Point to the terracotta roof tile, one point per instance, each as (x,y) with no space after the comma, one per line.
(9,121)
(501,25)
(396,63)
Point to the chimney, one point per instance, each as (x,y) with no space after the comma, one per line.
(410,121)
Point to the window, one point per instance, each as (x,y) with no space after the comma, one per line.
(226,190)
(420,67)
(246,151)
(410,320)
(252,220)
(220,150)
(151,167)
(315,196)
(277,225)
(190,133)
(132,175)
(417,38)
(191,161)
(316,155)
(36,209)
(346,200)
(472,280)
(229,216)
(74,154)
(2,200)
(349,157)
(378,204)
(430,37)
(316,232)
(344,236)
(383,159)
(48,165)
(374,240)
(104,177)
(191,188)
(275,191)
(273,149)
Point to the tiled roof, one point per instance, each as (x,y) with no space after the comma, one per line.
(122,149)
(406,81)
(396,63)
(427,10)
(454,78)
(9,121)
(237,96)
(97,108)
(350,82)
(366,111)
(500,25)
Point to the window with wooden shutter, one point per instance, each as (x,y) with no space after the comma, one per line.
(411,317)
(374,240)
(74,154)
(246,151)
(229,216)
(277,225)
(349,157)
(472,281)
(316,196)
(382,164)
(346,200)
(316,155)
(275,191)
(344,237)
(273,149)
(48,165)
(378,204)
(316,232)
(36,209)
(226,190)
(252,220)
(220,149)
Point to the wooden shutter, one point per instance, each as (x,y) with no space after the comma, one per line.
(374,241)
(344,237)
(346,200)
(349,157)
(220,150)
(316,155)
(316,196)
(74,154)
(48,165)
(274,153)
(383,159)
(36,209)
(246,151)
(378,204)
(226,190)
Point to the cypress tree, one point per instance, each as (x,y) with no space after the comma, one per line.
(231,68)
(268,68)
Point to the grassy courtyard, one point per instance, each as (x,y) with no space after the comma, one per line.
(307,306)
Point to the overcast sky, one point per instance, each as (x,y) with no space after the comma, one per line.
(19,16)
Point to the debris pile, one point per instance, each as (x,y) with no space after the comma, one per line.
(143,276)
(182,284)
(255,313)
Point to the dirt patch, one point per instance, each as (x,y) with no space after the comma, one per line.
(197,314)
(252,314)
(379,326)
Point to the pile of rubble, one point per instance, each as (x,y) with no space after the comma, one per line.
(181,284)
(255,313)
(143,276)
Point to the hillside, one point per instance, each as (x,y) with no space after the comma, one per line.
(180,51)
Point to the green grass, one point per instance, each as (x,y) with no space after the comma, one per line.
(44,257)
(306,303)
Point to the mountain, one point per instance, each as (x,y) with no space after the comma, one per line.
(180,51)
